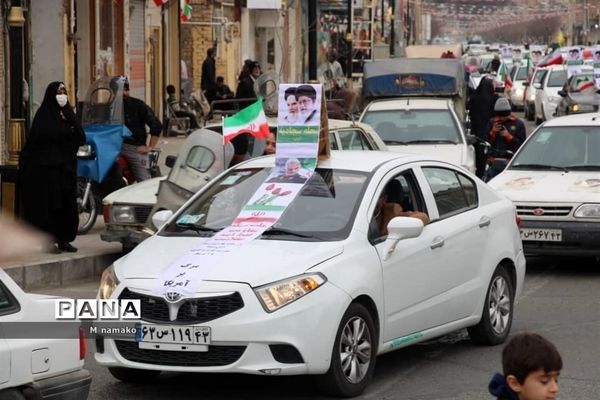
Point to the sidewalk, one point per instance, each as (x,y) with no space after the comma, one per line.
(45,270)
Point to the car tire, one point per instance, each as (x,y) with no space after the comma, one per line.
(497,313)
(133,375)
(339,380)
(12,394)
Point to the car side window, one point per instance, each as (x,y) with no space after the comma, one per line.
(402,190)
(8,303)
(353,139)
(333,141)
(200,158)
(453,192)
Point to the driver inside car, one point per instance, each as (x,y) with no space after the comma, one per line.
(388,206)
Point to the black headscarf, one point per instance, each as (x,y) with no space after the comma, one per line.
(53,139)
(481,106)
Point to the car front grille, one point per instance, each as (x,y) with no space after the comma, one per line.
(216,356)
(543,211)
(142,213)
(192,311)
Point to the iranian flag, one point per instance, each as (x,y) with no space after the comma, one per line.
(554,58)
(160,2)
(250,120)
(185,11)
(504,76)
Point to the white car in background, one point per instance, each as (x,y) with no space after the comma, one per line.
(324,291)
(418,125)
(519,75)
(38,362)
(554,181)
(546,95)
(530,92)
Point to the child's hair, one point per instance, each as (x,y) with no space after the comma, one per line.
(529,352)
(170,89)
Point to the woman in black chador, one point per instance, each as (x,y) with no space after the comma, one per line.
(48,169)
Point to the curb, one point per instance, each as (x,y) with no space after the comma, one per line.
(61,272)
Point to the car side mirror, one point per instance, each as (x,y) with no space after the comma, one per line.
(472,140)
(562,93)
(170,161)
(537,85)
(525,84)
(160,218)
(402,228)
(499,164)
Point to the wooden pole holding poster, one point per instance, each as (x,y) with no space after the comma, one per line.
(324,145)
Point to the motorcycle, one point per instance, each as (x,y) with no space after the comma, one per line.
(91,192)
(100,168)
(496,160)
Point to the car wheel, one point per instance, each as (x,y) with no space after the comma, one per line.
(12,394)
(497,314)
(132,375)
(353,355)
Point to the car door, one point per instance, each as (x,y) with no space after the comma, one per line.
(462,230)
(409,269)
(8,306)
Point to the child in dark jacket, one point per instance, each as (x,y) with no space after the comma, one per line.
(531,366)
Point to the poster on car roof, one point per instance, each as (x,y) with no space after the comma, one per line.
(296,152)
(596,64)
(574,61)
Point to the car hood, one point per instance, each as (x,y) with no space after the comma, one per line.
(257,262)
(139,193)
(452,153)
(548,186)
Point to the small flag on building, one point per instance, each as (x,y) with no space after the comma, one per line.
(251,119)
(185,11)
(160,2)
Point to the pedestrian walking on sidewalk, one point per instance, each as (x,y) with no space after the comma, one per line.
(48,169)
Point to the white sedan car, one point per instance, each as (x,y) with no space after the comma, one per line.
(38,361)
(324,291)
(554,180)
(546,95)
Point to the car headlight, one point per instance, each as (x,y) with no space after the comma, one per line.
(275,295)
(575,108)
(108,283)
(587,211)
(519,92)
(532,97)
(582,108)
(123,214)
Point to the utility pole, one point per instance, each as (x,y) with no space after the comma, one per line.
(312,40)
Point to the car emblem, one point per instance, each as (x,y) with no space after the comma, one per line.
(538,211)
(172,297)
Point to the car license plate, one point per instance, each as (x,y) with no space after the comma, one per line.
(176,334)
(541,235)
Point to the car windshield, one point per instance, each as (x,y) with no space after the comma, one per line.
(557,78)
(522,74)
(539,75)
(324,209)
(414,126)
(565,147)
(577,81)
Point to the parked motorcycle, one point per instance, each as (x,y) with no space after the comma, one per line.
(91,192)
(100,168)
(496,159)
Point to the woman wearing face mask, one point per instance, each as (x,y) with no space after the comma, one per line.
(48,169)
